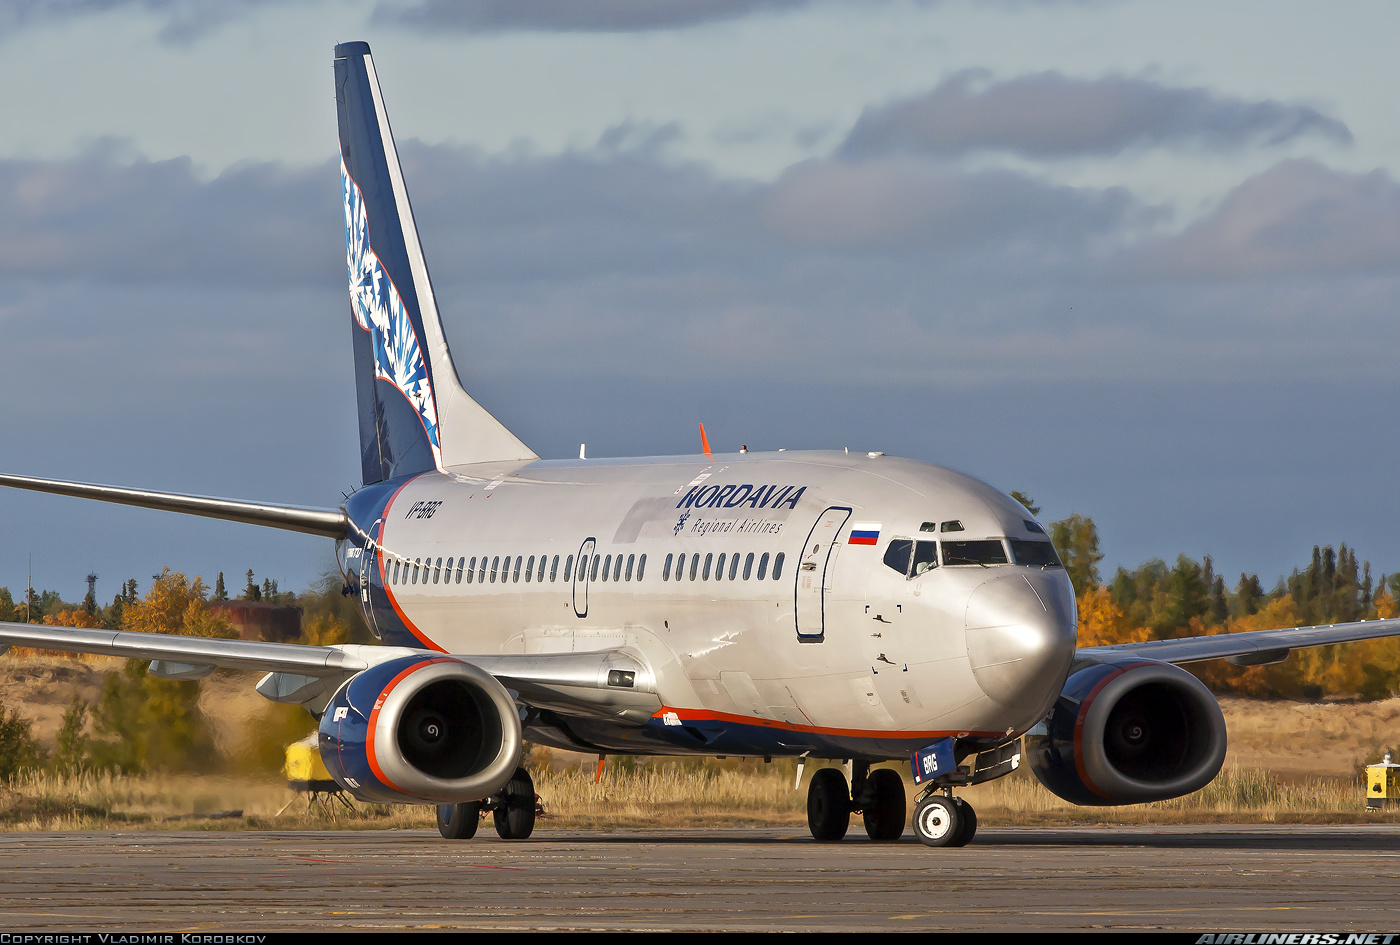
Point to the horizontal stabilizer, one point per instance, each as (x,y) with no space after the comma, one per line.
(328,523)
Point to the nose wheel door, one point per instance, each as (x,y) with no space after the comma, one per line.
(814,571)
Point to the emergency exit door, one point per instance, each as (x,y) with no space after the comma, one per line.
(814,573)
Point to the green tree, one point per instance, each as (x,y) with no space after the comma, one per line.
(71,754)
(251,592)
(1027,501)
(18,750)
(147,723)
(1077,540)
(220,592)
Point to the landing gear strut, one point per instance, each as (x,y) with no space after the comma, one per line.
(512,809)
(942,820)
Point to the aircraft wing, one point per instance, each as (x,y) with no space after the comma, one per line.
(1251,648)
(607,683)
(330,523)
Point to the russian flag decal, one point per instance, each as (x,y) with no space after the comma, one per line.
(865,533)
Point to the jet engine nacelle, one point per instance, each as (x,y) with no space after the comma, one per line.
(1128,732)
(418,728)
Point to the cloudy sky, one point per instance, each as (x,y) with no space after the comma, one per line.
(1140,260)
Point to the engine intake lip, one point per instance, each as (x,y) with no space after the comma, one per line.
(445,731)
(1151,733)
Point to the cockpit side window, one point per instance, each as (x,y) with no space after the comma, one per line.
(988,551)
(897,555)
(925,557)
(1038,554)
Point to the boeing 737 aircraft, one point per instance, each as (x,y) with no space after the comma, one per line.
(821,605)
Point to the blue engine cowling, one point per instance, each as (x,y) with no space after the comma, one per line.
(421,729)
(1128,732)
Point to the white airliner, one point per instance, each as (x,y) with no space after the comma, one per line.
(801,604)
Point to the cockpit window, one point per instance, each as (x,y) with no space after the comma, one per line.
(989,551)
(925,557)
(953,526)
(897,555)
(1038,554)
(1033,527)
(929,527)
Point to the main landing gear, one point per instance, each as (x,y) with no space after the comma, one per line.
(512,808)
(940,819)
(877,795)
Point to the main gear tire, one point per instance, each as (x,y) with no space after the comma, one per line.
(828,805)
(884,815)
(459,821)
(515,814)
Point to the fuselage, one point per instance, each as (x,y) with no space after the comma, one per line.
(786,603)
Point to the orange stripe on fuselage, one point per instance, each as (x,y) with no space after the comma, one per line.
(705,715)
(384,580)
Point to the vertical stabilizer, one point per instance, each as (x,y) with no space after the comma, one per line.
(414,413)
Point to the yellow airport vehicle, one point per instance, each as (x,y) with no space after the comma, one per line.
(1382,783)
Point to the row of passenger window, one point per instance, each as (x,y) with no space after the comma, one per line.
(495,568)
(491,569)
(912,558)
(704,573)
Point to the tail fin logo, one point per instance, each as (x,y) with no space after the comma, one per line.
(379,310)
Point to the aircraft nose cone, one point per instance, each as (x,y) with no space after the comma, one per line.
(1021,638)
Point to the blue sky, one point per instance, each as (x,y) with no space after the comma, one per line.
(1138,260)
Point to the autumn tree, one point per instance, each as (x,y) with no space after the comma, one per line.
(1077,541)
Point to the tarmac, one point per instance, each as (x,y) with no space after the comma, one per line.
(1200,878)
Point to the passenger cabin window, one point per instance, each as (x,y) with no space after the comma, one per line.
(460,569)
(989,551)
(1037,554)
(539,575)
(495,566)
(471,571)
(925,557)
(529,569)
(617,569)
(748,565)
(778,566)
(709,559)
(641,566)
(437,570)
(953,526)
(568,566)
(417,562)
(897,555)
(515,574)
(607,566)
(553,569)
(666,568)
(593,575)
(734,566)
(694,565)
(631,560)
(719,568)
(763,566)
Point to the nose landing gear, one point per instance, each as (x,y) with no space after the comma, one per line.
(942,820)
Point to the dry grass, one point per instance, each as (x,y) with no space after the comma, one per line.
(659,794)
